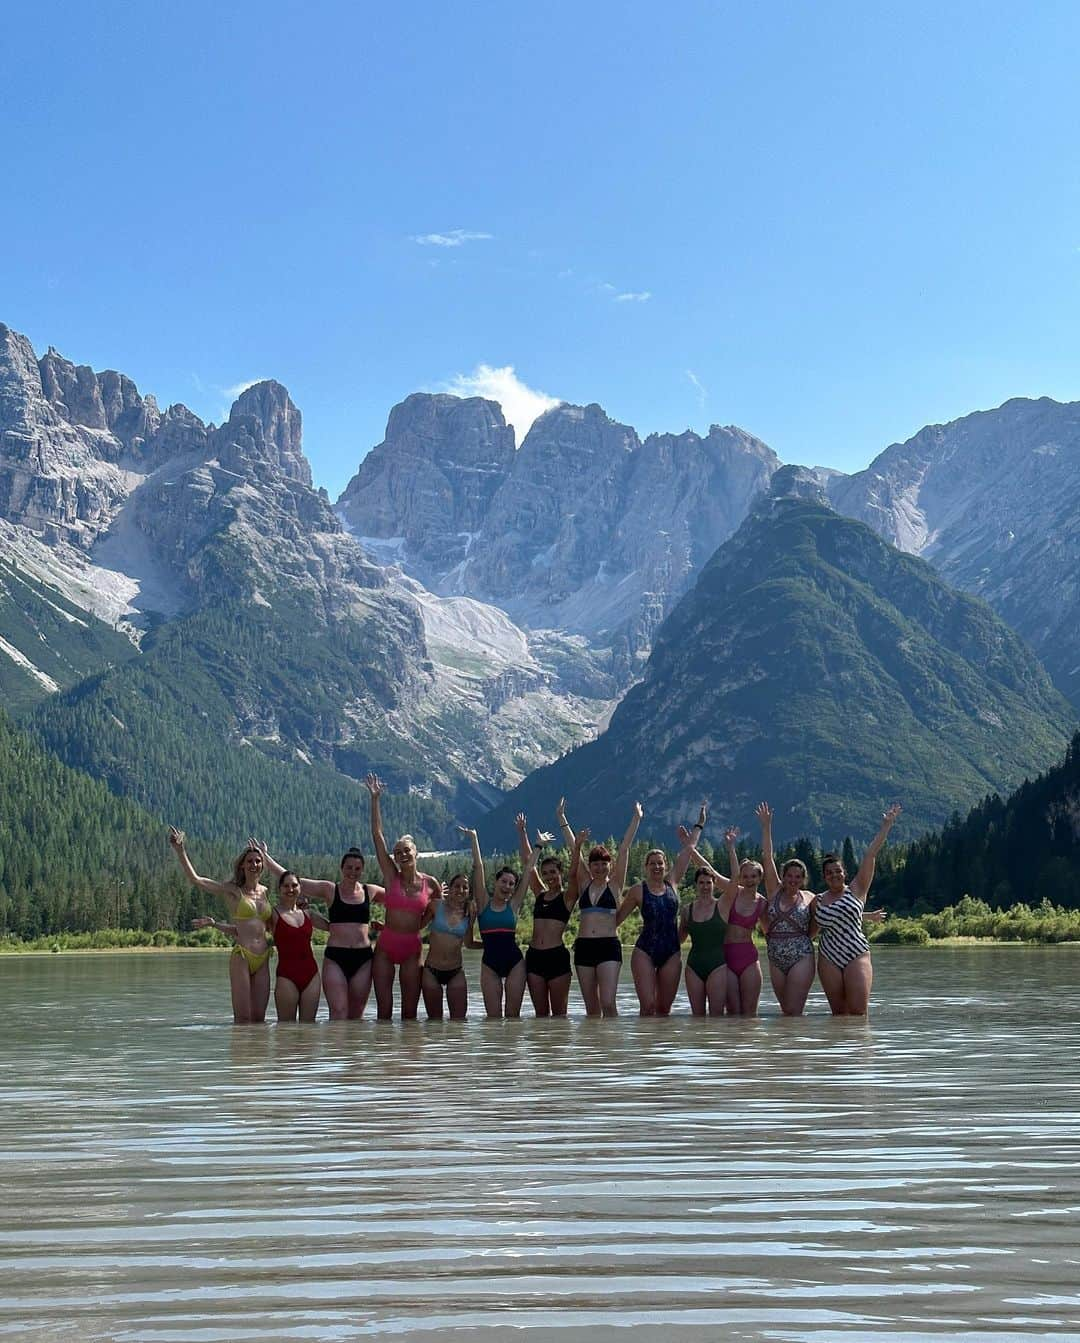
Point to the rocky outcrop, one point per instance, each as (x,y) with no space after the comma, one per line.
(993,502)
(583,529)
(816,666)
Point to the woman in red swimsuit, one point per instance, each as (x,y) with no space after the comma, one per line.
(407,901)
(296,988)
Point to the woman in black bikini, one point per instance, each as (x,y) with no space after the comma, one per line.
(598,951)
(346,970)
(547,960)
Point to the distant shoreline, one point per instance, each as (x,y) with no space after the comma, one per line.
(10,949)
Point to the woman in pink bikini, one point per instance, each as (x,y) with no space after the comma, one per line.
(407,901)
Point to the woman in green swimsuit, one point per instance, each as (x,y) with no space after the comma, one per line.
(706,972)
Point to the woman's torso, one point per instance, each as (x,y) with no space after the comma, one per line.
(550,917)
(349,919)
(405,906)
(597,912)
(446,936)
(252,915)
(741,923)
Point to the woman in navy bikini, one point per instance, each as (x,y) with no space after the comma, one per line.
(502,967)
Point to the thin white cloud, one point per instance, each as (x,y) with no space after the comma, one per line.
(234,391)
(520,404)
(455,237)
(698,386)
(634,296)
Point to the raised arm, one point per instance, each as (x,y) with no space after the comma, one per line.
(567,832)
(682,858)
(731,834)
(374,786)
(311,887)
(724,883)
(860,884)
(573,885)
(525,851)
(479,882)
(768,859)
(178,841)
(622,858)
(525,880)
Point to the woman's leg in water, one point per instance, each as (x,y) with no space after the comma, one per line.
(590,989)
(359,991)
(667,984)
(409,979)
(750,989)
(286,999)
(240,985)
(695,991)
(457,996)
(336,988)
(858,979)
(716,990)
(382,976)
(644,972)
(559,995)
(797,987)
(832,981)
(607,981)
(538,992)
(515,989)
(309,999)
(491,986)
(433,996)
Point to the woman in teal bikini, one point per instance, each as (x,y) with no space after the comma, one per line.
(249,911)
(451,924)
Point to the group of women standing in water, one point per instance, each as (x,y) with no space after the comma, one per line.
(722,972)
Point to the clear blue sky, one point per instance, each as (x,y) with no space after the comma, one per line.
(844,220)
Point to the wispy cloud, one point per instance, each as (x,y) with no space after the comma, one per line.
(698,386)
(634,296)
(234,391)
(520,403)
(455,237)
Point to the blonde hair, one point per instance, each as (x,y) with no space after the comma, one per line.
(238,866)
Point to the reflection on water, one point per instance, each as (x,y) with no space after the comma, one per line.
(170,1177)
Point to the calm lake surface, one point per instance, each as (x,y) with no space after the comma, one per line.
(169,1177)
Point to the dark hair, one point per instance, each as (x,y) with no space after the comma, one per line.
(795,862)
(548,859)
(505,869)
(285,874)
(704,872)
(450,880)
(599,852)
(352,853)
(831,858)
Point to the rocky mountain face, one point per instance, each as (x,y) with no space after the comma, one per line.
(993,502)
(210,548)
(816,666)
(584,529)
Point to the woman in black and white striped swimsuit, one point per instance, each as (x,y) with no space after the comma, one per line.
(843,952)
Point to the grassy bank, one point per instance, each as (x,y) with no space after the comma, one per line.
(969,922)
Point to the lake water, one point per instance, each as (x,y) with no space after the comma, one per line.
(169,1177)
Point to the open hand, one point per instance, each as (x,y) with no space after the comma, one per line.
(731,835)
(373,784)
(763,812)
(544,837)
(176,838)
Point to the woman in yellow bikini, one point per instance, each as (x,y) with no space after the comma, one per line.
(249,912)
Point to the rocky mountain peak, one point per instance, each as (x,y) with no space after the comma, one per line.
(275,431)
(797,482)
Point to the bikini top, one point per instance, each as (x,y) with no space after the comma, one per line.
(746,920)
(794,922)
(492,920)
(350,911)
(397,897)
(441,924)
(605,901)
(246,908)
(551,907)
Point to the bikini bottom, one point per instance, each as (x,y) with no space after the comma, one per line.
(740,956)
(255,960)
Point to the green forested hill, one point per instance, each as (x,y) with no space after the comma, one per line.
(165,731)
(74,857)
(1023,848)
(817,667)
